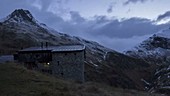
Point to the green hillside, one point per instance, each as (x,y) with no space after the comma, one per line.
(16,80)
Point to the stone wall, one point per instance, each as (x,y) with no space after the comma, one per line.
(69,65)
(40,60)
(42,56)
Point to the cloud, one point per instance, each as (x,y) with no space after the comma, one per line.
(128,11)
(134,1)
(164,16)
(115,34)
(126,28)
(121,44)
(7,6)
(37,4)
(75,17)
(110,8)
(112,33)
(59,8)
(45,4)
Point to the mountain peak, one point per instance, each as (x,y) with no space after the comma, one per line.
(20,15)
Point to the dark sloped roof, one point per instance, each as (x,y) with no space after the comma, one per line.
(69,48)
(61,48)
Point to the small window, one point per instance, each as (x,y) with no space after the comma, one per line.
(65,54)
(37,55)
(46,64)
(50,71)
(75,54)
(58,63)
(62,74)
(42,70)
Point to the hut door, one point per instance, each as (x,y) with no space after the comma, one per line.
(60,68)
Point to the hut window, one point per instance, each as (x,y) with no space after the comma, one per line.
(62,73)
(65,54)
(75,54)
(50,71)
(58,63)
(37,55)
(46,64)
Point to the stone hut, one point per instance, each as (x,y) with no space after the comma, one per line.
(65,61)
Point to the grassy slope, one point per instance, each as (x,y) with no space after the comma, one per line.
(18,81)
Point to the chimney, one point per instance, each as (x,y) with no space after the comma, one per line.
(46,44)
(42,45)
(21,48)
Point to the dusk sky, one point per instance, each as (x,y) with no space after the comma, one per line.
(117,24)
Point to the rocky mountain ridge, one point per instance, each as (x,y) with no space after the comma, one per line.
(156,50)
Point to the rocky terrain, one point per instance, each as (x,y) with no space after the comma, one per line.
(156,51)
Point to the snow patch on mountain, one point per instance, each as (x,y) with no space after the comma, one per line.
(20,16)
(156,50)
(164,33)
(158,45)
(2,20)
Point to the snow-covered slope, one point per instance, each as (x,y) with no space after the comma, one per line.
(161,80)
(156,51)
(20,16)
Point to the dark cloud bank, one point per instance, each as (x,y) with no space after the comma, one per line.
(135,1)
(113,33)
(164,16)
